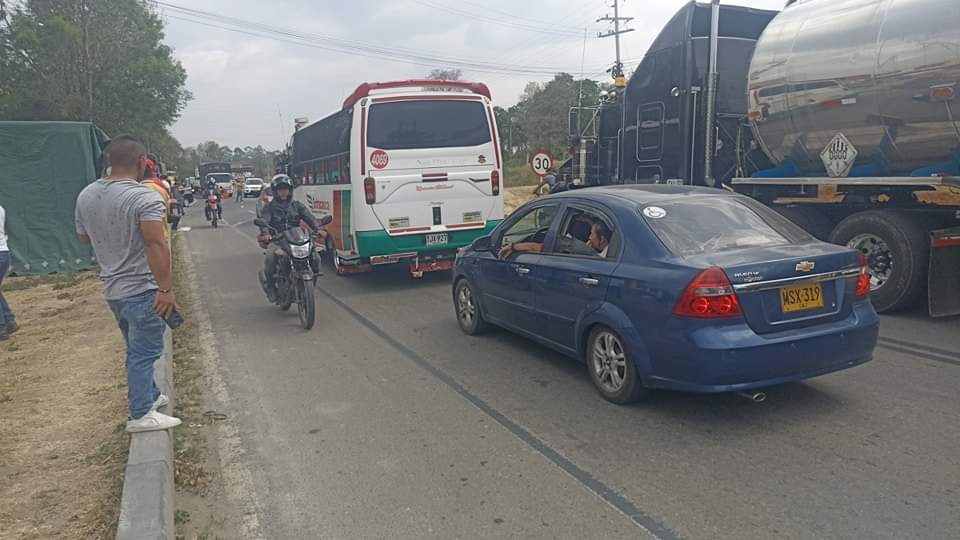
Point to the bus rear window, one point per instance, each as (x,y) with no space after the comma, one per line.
(405,125)
(710,224)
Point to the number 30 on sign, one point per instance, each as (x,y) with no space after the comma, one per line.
(541,162)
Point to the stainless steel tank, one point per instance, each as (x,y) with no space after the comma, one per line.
(885,73)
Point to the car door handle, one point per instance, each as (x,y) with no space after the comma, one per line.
(589,281)
(522,270)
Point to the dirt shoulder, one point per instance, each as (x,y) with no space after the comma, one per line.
(63,402)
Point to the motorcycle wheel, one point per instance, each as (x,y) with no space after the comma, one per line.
(306,307)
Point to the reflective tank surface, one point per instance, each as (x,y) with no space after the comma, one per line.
(884,73)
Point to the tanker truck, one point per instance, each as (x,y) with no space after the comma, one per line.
(842,115)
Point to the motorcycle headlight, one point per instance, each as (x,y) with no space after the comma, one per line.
(300,252)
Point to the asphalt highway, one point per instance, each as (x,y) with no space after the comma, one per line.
(385,421)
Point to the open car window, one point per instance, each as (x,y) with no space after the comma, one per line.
(532,226)
(575,232)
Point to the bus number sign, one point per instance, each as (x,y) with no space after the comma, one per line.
(541,162)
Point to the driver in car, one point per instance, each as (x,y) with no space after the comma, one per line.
(597,244)
(280,214)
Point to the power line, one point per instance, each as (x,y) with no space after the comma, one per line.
(345,46)
(511,23)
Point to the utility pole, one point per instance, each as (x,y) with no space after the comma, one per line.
(619,79)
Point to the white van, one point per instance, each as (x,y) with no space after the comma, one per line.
(410,171)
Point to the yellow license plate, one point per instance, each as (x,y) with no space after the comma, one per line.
(801,297)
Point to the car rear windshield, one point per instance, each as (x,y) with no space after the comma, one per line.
(405,125)
(710,224)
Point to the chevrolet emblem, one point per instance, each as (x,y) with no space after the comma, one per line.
(805,266)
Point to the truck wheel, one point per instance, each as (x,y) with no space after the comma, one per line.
(897,250)
(811,220)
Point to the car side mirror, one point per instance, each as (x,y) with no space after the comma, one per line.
(326,220)
(484,243)
(259,222)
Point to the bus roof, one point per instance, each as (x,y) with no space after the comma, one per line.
(364,89)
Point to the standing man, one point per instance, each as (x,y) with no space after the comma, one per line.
(123,219)
(238,187)
(8,323)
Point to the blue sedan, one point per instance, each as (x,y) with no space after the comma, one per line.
(673,287)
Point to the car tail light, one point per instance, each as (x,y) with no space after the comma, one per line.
(370,189)
(709,296)
(863,280)
(495,182)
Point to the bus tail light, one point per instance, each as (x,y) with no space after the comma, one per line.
(495,182)
(370,189)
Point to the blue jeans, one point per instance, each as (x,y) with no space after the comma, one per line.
(6,316)
(143,332)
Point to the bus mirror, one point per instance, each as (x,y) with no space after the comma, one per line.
(326,220)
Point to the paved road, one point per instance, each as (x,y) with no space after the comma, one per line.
(385,421)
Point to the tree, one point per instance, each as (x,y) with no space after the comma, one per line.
(450,74)
(543,111)
(91,60)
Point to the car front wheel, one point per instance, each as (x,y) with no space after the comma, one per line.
(468,309)
(611,368)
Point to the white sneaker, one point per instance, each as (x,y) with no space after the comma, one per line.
(161,401)
(152,421)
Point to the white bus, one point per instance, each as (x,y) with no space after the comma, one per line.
(410,171)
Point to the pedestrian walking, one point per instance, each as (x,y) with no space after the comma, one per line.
(8,323)
(123,220)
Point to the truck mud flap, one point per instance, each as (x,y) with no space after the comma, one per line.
(943,279)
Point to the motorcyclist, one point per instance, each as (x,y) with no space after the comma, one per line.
(211,189)
(280,214)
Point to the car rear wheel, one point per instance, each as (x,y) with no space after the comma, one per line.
(468,309)
(611,368)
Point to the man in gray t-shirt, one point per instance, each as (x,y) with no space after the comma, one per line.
(123,220)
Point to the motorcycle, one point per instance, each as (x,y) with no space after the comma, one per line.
(188,197)
(296,269)
(212,211)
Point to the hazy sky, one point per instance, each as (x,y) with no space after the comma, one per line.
(248,88)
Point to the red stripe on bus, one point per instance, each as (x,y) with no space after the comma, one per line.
(426,98)
(466,226)
(363,141)
(410,229)
(493,133)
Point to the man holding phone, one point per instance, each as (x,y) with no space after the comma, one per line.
(123,219)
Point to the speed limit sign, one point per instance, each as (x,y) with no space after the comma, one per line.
(541,162)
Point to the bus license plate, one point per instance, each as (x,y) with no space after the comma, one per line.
(801,297)
(437,239)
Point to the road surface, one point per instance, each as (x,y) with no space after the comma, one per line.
(385,421)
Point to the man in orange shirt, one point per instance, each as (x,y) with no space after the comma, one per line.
(152,181)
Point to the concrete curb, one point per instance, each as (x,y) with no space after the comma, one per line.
(146,507)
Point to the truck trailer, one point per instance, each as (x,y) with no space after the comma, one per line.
(839,114)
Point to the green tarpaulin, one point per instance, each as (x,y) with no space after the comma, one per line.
(43,167)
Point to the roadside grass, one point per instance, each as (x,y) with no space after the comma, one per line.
(199,513)
(63,448)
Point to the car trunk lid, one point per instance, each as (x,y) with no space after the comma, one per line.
(780,290)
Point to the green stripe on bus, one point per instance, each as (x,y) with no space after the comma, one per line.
(345,221)
(375,243)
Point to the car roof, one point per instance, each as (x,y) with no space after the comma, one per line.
(640,194)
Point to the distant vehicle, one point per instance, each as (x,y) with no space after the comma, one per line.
(409,170)
(252,187)
(699,290)
(223,181)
